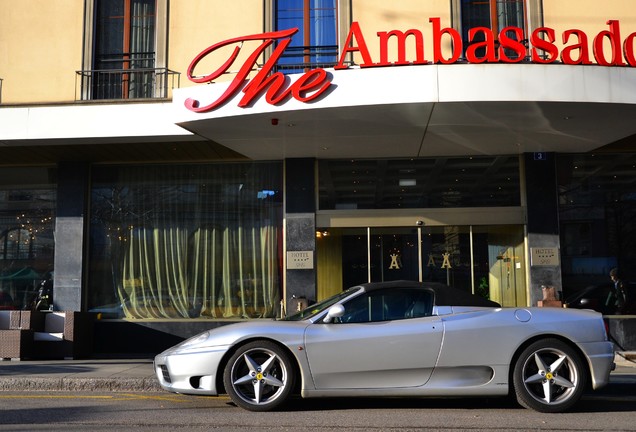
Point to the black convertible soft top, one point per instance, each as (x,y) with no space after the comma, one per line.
(444,294)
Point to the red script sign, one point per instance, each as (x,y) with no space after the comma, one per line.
(485,46)
(307,87)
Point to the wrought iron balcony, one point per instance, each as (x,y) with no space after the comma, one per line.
(302,58)
(138,83)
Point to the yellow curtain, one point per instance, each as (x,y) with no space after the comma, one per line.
(216,272)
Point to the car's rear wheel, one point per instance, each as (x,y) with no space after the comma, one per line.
(259,376)
(549,376)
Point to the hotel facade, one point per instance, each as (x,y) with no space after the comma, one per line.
(177,165)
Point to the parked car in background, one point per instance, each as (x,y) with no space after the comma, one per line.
(600,298)
(385,339)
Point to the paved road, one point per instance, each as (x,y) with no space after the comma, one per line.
(114,395)
(613,409)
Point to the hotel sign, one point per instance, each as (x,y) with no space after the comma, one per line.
(300,260)
(545,256)
(607,48)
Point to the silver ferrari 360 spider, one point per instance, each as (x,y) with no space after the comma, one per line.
(398,339)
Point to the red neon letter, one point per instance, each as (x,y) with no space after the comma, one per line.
(584,55)
(628,49)
(313,81)
(614,36)
(547,46)
(488,43)
(456,42)
(508,43)
(354,31)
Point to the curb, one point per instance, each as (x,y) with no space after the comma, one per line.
(80,384)
(629,356)
(625,358)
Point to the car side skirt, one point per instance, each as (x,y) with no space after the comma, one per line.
(465,381)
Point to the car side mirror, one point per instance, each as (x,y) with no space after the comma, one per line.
(335,311)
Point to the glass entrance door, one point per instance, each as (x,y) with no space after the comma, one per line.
(394,254)
(485,260)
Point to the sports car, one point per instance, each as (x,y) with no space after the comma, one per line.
(396,339)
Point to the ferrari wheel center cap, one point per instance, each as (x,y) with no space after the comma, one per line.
(259,376)
(549,376)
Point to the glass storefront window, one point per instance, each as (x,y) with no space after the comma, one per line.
(192,241)
(484,181)
(597,215)
(27,242)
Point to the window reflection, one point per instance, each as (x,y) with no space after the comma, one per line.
(27,210)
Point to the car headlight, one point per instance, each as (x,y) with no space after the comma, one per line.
(195,340)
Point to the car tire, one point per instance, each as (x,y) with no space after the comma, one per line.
(259,376)
(549,376)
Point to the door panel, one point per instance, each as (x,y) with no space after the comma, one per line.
(373,355)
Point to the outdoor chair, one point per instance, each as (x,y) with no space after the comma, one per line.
(16,343)
(64,335)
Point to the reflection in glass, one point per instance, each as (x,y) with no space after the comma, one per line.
(27,242)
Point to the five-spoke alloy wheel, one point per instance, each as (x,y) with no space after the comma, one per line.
(259,376)
(549,376)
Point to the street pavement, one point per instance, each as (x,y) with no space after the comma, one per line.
(137,375)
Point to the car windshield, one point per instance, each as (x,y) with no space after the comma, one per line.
(319,307)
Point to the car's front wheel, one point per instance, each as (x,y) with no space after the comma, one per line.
(549,376)
(259,376)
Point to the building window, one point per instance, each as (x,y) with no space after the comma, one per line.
(475,181)
(124,45)
(190,241)
(315,44)
(492,14)
(597,218)
(125,51)
(27,242)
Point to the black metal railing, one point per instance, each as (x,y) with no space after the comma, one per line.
(138,83)
(301,58)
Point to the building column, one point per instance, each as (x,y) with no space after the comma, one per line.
(300,232)
(71,224)
(543,224)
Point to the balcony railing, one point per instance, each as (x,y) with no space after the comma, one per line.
(141,83)
(302,58)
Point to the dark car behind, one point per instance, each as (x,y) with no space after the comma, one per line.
(601,298)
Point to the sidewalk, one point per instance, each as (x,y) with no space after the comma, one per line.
(135,375)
